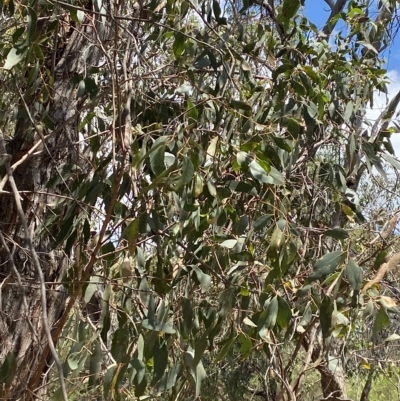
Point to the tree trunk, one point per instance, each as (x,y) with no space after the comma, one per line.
(332,374)
(24,343)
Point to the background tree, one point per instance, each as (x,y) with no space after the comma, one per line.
(179,188)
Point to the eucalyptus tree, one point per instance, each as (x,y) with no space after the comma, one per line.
(180,177)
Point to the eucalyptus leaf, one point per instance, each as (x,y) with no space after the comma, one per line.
(326,265)
(354,275)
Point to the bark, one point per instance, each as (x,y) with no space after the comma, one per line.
(332,375)
(22,331)
(368,385)
(336,9)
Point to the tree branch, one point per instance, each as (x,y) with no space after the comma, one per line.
(385,267)
(330,3)
(336,9)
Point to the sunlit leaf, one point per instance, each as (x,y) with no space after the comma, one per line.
(15,55)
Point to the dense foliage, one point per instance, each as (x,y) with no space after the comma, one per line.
(185,190)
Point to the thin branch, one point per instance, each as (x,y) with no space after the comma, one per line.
(298,382)
(385,117)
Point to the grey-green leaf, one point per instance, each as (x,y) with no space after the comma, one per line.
(14,56)
(337,233)
(354,275)
(205,279)
(326,265)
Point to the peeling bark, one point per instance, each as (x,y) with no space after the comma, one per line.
(22,331)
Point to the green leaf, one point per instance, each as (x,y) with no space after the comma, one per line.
(14,56)
(325,316)
(157,152)
(226,347)
(293,127)
(95,364)
(380,258)
(197,371)
(241,187)
(303,291)
(276,238)
(272,313)
(268,317)
(239,105)
(326,265)
(310,71)
(381,321)
(349,111)
(392,337)
(393,161)
(120,343)
(378,165)
(192,112)
(246,346)
(138,371)
(198,186)
(8,370)
(241,226)
(337,233)
(91,288)
(288,10)
(73,360)
(212,189)
(275,177)
(200,347)
(258,172)
(312,110)
(131,233)
(160,355)
(262,222)
(216,9)
(229,243)
(243,159)
(187,172)
(248,322)
(91,87)
(369,46)
(179,44)
(354,275)
(108,379)
(205,279)
(284,313)
(157,326)
(31,25)
(169,380)
(187,317)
